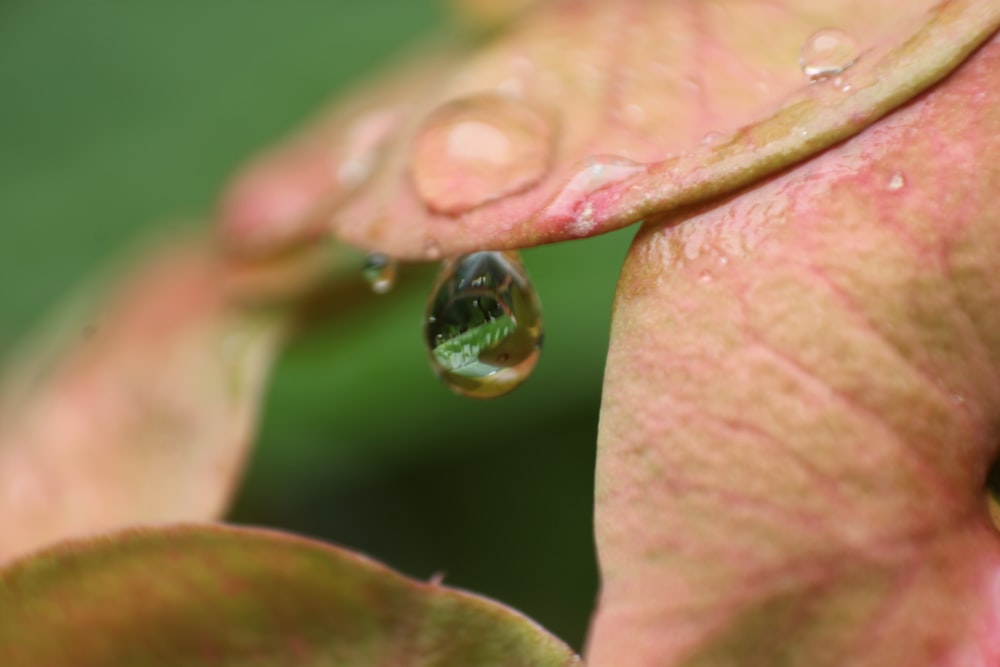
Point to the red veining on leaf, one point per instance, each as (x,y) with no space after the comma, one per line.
(797,423)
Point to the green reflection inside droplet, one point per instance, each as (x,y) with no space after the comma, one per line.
(483,325)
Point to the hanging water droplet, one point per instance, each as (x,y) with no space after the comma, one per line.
(483,325)
(826,53)
(478,149)
(380,272)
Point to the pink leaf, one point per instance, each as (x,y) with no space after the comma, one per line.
(588,115)
(140,410)
(801,406)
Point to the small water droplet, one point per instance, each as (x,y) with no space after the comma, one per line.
(598,173)
(478,149)
(432,249)
(362,143)
(826,53)
(380,272)
(483,324)
(896,182)
(842,85)
(712,138)
(634,114)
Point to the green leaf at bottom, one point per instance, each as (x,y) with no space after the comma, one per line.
(223,596)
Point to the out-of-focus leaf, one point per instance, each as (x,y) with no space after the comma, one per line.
(490,13)
(801,405)
(138,410)
(273,201)
(219,596)
(585,116)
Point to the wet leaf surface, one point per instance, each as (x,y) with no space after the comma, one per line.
(225,596)
(635,108)
(801,407)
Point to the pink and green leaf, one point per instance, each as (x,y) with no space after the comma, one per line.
(801,406)
(625,110)
(140,409)
(222,596)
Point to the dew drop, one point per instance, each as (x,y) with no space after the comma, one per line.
(826,53)
(598,173)
(362,143)
(478,149)
(483,324)
(602,171)
(379,272)
(712,139)
(432,249)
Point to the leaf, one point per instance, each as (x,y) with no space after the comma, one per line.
(139,410)
(588,115)
(222,596)
(801,405)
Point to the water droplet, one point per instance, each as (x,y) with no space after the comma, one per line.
(602,171)
(712,138)
(826,53)
(361,145)
(483,325)
(380,272)
(896,182)
(634,114)
(432,249)
(478,149)
(840,83)
(599,173)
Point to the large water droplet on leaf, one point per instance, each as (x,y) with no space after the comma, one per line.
(379,272)
(826,53)
(483,325)
(478,149)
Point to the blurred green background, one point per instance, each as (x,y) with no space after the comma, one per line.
(116,116)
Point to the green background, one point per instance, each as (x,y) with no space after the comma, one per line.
(117,117)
